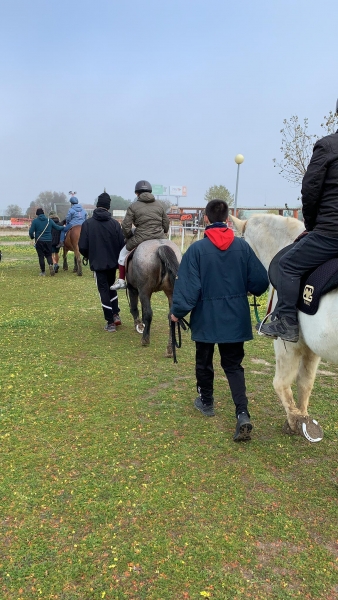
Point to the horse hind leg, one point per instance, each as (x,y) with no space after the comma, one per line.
(169,349)
(134,311)
(287,366)
(77,258)
(65,263)
(147,316)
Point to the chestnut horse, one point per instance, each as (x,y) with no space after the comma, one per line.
(72,245)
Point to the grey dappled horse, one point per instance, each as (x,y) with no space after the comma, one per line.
(152,268)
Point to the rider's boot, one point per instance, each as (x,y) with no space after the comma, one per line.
(120,283)
(283,327)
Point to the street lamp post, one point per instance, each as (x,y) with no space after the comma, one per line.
(239,158)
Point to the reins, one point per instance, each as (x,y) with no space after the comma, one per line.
(181,323)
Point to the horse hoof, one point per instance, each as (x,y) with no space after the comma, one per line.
(310,429)
(287,429)
(145,342)
(139,327)
(168,354)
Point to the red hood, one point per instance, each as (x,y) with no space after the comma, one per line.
(221,237)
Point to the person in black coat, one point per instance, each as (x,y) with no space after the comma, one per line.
(317,244)
(101,241)
(55,241)
(213,282)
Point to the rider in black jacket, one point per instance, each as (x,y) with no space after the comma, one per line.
(317,244)
(101,241)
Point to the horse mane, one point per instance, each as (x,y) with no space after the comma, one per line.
(169,262)
(267,234)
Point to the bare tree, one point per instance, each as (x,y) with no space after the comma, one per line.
(297,146)
(13,210)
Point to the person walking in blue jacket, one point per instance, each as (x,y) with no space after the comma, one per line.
(75,216)
(41,229)
(213,282)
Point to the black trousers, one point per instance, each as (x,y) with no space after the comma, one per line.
(310,252)
(44,251)
(109,299)
(231,362)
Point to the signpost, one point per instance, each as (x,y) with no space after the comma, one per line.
(177,190)
(159,190)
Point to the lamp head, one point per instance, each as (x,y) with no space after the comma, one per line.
(239,158)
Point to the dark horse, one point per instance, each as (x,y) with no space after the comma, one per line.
(152,268)
(72,245)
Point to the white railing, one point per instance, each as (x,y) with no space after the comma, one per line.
(185,232)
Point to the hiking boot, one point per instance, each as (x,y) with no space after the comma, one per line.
(117,319)
(206,409)
(110,327)
(285,328)
(243,428)
(42,273)
(120,284)
(51,270)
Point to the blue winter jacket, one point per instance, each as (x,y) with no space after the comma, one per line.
(76,215)
(38,225)
(213,284)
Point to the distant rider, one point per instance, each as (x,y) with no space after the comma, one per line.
(150,221)
(75,216)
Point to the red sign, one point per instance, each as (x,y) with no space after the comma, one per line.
(176,216)
(186,217)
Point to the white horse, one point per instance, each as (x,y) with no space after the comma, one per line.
(267,234)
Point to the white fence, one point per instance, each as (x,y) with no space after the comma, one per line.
(186,234)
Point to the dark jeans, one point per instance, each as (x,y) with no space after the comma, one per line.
(109,300)
(231,359)
(44,251)
(310,252)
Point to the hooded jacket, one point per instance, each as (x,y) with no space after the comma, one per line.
(101,240)
(39,224)
(76,215)
(213,281)
(150,220)
(320,188)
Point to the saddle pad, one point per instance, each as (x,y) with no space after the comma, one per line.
(314,284)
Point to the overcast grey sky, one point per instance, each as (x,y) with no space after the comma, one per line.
(102,93)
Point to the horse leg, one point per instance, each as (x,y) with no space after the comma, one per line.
(133,299)
(77,256)
(147,316)
(75,264)
(287,366)
(306,376)
(169,349)
(65,263)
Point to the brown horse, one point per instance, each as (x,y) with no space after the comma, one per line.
(72,245)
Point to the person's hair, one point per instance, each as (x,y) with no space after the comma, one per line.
(217,211)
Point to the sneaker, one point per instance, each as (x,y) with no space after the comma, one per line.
(206,409)
(243,428)
(110,327)
(117,319)
(120,284)
(42,273)
(281,328)
(60,245)
(51,270)
(56,268)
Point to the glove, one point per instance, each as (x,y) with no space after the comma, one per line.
(303,234)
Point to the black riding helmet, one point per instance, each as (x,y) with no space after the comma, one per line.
(143,186)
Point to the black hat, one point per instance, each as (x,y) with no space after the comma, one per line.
(39,211)
(103,201)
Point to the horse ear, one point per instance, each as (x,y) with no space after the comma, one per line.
(239,225)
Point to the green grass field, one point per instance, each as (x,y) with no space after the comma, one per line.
(113,486)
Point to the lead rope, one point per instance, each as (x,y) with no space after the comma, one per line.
(181,323)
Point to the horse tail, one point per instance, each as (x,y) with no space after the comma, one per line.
(169,262)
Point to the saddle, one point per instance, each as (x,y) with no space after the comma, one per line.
(314,284)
